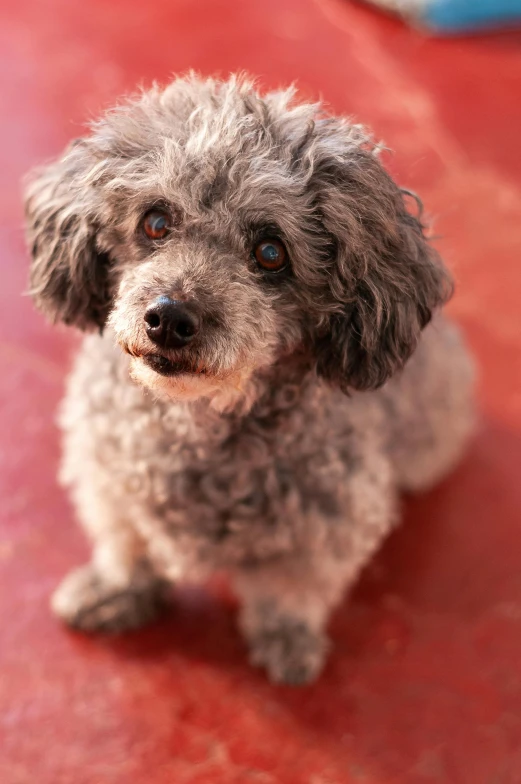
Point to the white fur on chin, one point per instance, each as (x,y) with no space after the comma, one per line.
(235,389)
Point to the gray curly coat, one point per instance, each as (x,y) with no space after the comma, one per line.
(275,444)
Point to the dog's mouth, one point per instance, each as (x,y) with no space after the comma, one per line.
(169,366)
(174,367)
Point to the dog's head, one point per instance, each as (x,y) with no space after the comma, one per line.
(219,231)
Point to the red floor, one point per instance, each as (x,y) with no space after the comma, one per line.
(425,681)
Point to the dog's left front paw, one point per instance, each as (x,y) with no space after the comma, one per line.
(290,651)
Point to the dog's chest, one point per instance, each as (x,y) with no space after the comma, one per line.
(232,491)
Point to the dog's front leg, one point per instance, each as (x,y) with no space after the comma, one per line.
(287,601)
(285,606)
(118,589)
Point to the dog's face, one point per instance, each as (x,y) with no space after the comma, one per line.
(218,232)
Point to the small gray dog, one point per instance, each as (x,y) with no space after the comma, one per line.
(252,266)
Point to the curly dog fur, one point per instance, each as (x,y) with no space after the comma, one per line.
(276,442)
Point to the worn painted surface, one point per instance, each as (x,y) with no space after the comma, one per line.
(425,681)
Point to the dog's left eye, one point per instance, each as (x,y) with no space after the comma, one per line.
(271,255)
(156,224)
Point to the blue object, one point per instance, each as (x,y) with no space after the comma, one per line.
(461,15)
(456,16)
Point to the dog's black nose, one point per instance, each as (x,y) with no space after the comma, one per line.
(170,323)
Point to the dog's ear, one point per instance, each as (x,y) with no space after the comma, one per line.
(387,279)
(69,273)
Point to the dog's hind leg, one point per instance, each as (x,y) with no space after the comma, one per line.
(431,410)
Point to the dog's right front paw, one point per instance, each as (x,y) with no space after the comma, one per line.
(84,600)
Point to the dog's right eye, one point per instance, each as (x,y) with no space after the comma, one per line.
(271,255)
(156,224)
